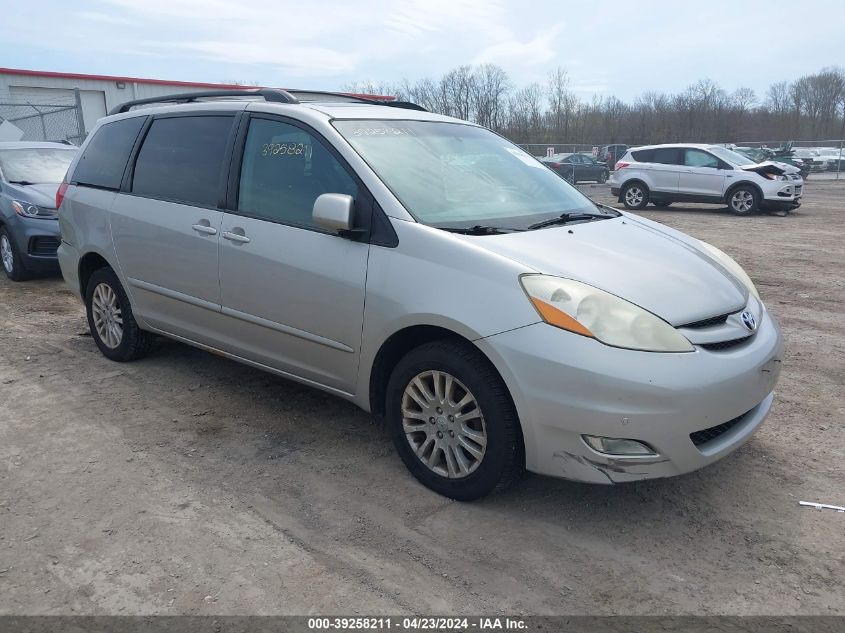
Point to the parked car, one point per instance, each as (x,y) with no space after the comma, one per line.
(811,157)
(576,168)
(663,174)
(425,269)
(30,174)
(610,154)
(759,155)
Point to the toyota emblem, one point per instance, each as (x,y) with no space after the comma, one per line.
(748,320)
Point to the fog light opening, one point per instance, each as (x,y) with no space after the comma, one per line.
(618,446)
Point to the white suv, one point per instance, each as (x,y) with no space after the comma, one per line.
(663,174)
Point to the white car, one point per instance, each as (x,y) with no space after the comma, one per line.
(663,174)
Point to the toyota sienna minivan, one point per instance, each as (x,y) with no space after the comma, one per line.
(426,269)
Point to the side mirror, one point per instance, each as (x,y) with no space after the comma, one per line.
(334,212)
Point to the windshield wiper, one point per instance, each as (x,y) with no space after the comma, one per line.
(478,229)
(21,182)
(566,218)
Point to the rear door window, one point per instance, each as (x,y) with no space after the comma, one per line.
(104,159)
(667,156)
(181,159)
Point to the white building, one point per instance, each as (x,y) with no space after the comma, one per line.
(46,105)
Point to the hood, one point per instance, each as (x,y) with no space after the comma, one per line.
(635,259)
(41,194)
(772,167)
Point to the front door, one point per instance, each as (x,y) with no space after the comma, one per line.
(700,174)
(293,293)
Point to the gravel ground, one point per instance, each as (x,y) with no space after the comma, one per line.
(186,483)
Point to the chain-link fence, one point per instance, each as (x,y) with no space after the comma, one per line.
(59,120)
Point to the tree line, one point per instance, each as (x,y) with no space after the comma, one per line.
(810,108)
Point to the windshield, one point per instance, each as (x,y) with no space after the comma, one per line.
(729,156)
(35,165)
(452,175)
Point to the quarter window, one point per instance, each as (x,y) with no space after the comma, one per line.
(104,159)
(181,159)
(284,170)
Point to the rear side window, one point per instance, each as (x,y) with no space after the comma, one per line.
(104,159)
(668,156)
(181,159)
(643,155)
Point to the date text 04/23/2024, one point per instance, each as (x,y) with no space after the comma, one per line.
(422,623)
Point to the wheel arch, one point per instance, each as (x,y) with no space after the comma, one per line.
(88,264)
(733,187)
(632,181)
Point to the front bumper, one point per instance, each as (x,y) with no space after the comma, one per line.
(37,240)
(565,385)
(783,196)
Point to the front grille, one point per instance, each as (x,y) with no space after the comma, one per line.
(716,320)
(700,438)
(43,246)
(723,345)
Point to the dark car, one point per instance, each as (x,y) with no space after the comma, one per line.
(610,154)
(576,167)
(30,174)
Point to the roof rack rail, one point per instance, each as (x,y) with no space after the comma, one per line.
(274,95)
(269,94)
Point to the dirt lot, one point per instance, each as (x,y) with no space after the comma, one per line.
(186,483)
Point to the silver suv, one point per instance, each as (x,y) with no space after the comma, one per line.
(427,270)
(663,174)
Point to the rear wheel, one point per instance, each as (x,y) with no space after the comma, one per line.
(743,200)
(110,318)
(453,422)
(570,177)
(635,196)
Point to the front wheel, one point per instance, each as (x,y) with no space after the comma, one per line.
(453,422)
(110,318)
(12,265)
(635,196)
(743,200)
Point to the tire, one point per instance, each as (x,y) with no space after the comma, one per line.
(661,204)
(602,178)
(11,258)
(743,200)
(126,341)
(570,177)
(635,196)
(440,439)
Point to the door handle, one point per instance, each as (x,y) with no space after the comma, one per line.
(204,228)
(236,237)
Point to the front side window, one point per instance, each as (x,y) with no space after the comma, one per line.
(454,175)
(35,165)
(284,170)
(181,159)
(735,158)
(697,158)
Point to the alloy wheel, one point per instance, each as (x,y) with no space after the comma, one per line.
(634,196)
(444,424)
(6,254)
(108,317)
(742,201)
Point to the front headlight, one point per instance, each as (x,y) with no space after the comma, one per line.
(582,309)
(733,268)
(29,210)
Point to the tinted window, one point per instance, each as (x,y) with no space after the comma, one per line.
(284,170)
(643,155)
(667,156)
(697,158)
(181,159)
(104,159)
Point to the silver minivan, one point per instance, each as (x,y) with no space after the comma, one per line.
(426,269)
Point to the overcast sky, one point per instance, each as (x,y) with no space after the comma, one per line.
(608,47)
